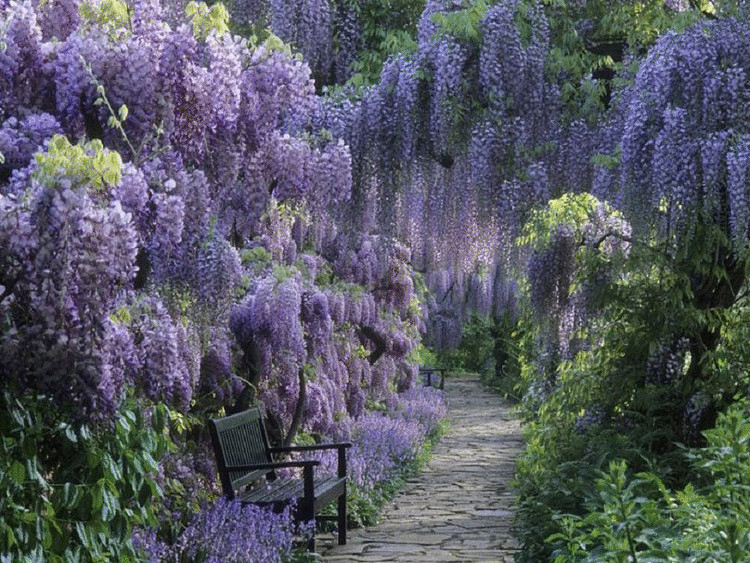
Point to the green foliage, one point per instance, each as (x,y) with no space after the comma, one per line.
(86,163)
(507,341)
(369,62)
(111,14)
(462,24)
(272,44)
(636,518)
(590,37)
(621,522)
(557,470)
(474,354)
(388,28)
(604,405)
(257,258)
(207,20)
(69,492)
(423,356)
(572,210)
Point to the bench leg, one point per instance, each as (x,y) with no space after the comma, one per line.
(342,519)
(307,507)
(307,516)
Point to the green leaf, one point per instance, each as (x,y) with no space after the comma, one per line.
(84,535)
(110,506)
(97,498)
(150,463)
(94,458)
(28,517)
(159,418)
(111,177)
(71,495)
(47,539)
(112,470)
(123,427)
(70,433)
(17,472)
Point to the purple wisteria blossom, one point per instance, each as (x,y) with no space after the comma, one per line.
(228,532)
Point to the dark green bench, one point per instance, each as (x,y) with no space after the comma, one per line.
(428,375)
(247,471)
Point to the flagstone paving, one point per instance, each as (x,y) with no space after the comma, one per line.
(460,507)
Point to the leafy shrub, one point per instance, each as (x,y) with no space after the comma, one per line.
(475,352)
(387,29)
(636,518)
(73,492)
(617,366)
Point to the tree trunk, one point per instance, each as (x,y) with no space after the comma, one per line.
(377,339)
(298,411)
(249,368)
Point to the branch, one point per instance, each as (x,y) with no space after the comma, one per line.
(447,292)
(376,338)
(250,368)
(625,238)
(299,410)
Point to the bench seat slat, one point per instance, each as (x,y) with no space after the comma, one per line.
(286,490)
(281,490)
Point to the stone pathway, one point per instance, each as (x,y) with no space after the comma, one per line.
(460,507)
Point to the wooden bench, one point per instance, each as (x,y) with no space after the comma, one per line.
(426,375)
(247,471)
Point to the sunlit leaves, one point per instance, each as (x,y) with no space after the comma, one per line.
(206,20)
(113,14)
(87,163)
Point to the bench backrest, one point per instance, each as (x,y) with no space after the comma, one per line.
(240,439)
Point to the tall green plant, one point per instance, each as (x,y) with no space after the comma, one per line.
(475,352)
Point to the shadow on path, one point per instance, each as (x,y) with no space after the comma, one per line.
(460,507)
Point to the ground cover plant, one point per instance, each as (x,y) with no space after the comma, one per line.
(287,202)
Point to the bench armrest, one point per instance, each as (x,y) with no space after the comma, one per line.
(341,447)
(273,465)
(310,448)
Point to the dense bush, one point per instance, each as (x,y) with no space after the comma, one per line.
(73,492)
(611,380)
(636,518)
